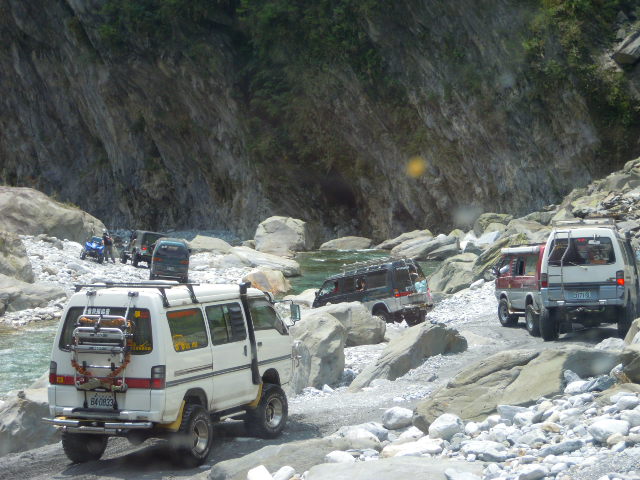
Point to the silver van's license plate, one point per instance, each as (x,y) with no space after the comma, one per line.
(582,295)
(100,400)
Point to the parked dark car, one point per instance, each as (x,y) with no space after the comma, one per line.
(170,260)
(140,247)
(393,290)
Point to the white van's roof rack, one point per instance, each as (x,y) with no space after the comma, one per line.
(585,222)
(160,285)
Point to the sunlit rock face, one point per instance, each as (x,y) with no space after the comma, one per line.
(166,138)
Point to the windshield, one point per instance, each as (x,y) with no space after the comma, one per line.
(582,251)
(330,286)
(96,240)
(150,238)
(172,250)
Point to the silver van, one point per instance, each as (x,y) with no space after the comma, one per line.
(588,276)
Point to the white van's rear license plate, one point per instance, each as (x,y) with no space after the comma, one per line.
(583,295)
(100,400)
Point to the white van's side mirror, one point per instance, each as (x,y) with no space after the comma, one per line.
(295,312)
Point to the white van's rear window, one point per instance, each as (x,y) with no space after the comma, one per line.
(140,317)
(582,251)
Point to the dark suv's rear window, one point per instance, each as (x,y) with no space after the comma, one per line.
(141,318)
(582,251)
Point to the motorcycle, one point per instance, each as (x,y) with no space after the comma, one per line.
(93,248)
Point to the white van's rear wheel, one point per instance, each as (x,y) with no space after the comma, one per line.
(269,418)
(550,325)
(533,320)
(626,318)
(83,447)
(192,443)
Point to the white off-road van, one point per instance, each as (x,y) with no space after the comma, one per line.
(161,359)
(589,276)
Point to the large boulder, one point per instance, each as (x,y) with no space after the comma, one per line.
(253,258)
(488,258)
(427,248)
(283,236)
(347,243)
(268,280)
(14,261)
(394,242)
(512,377)
(633,333)
(631,362)
(409,350)
(362,327)
(21,425)
(454,274)
(484,220)
(16,295)
(26,211)
(397,468)
(534,232)
(319,346)
(203,243)
(300,455)
(628,52)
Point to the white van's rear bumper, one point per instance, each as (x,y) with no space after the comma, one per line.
(589,296)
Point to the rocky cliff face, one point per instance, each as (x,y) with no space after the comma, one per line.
(178,134)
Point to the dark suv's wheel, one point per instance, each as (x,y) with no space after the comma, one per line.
(506,319)
(382,315)
(83,254)
(192,442)
(550,325)
(134,260)
(83,447)
(123,257)
(269,418)
(625,319)
(532,320)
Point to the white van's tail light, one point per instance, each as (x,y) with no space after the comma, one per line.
(158,375)
(53,369)
(544,280)
(620,277)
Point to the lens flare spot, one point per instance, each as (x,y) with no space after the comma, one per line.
(416,166)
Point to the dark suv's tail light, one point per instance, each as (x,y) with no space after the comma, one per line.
(620,277)
(544,280)
(53,369)
(397,293)
(158,375)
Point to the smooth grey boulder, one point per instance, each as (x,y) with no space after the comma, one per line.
(26,211)
(454,274)
(21,425)
(484,220)
(396,417)
(446,426)
(630,337)
(16,295)
(347,243)
(319,342)
(534,231)
(409,350)
(300,455)
(305,298)
(512,377)
(283,236)
(254,258)
(14,261)
(362,327)
(395,468)
(420,248)
(394,242)
(203,243)
(631,362)
(603,429)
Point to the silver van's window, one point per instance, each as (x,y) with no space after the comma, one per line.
(582,251)
(142,340)
(187,329)
(264,317)
(221,322)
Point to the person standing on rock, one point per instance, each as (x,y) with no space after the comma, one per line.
(108,246)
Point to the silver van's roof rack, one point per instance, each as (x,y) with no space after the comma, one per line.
(161,286)
(585,222)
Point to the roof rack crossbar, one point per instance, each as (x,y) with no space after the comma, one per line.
(349,267)
(192,294)
(165,300)
(585,222)
(160,286)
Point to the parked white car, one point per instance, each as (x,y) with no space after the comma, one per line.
(589,276)
(160,359)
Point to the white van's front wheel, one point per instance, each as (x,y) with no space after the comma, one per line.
(269,418)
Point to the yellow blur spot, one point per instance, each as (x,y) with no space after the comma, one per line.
(416,166)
